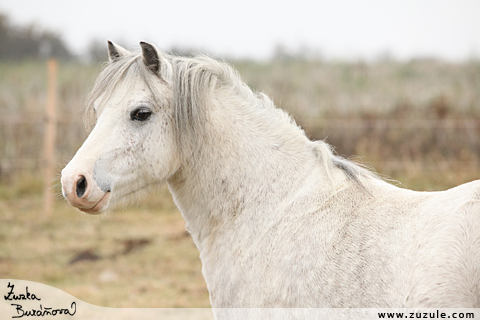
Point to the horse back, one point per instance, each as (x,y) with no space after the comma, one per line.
(443,250)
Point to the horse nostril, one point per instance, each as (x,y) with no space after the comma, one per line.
(81,186)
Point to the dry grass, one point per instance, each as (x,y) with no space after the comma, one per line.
(139,257)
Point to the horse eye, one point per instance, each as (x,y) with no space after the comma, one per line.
(140,114)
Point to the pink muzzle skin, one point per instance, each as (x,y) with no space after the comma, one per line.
(82,192)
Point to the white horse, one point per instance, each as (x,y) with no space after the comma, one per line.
(279,220)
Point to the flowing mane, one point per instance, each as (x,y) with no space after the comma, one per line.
(195,81)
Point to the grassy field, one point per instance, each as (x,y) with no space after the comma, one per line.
(415,122)
(138,257)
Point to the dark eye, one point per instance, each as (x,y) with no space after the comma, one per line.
(140,114)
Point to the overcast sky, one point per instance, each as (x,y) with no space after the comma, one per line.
(340,29)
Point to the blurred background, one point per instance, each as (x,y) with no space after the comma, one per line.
(394,84)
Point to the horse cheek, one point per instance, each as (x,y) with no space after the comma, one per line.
(164,154)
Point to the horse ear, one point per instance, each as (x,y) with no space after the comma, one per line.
(151,57)
(115,51)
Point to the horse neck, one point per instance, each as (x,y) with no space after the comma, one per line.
(247,165)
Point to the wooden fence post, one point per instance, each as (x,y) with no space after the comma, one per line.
(50,136)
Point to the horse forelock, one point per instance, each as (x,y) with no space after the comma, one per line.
(105,85)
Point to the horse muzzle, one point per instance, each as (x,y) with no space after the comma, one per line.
(83,193)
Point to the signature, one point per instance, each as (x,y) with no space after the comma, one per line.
(41,311)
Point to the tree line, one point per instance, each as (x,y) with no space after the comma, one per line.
(29,42)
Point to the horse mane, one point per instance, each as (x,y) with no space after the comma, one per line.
(194,81)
